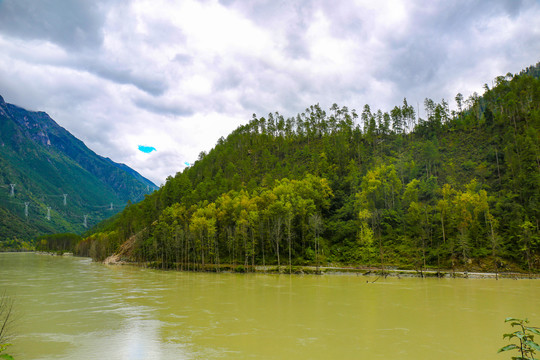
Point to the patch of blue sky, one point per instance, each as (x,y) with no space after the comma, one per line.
(147,149)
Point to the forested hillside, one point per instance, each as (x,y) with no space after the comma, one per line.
(454,189)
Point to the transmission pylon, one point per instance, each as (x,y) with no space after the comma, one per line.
(111,206)
(26,209)
(12,189)
(85,223)
(65,199)
(48,213)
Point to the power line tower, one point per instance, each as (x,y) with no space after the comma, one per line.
(49,213)
(12,189)
(85,223)
(26,209)
(111,207)
(65,199)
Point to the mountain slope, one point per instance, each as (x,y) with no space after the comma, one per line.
(456,189)
(51,182)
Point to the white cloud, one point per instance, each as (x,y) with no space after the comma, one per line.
(179,75)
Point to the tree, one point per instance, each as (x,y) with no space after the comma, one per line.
(316,224)
(444,208)
(468,206)
(528,239)
(365,236)
(429,106)
(277,214)
(289,216)
(379,190)
(203,225)
(409,115)
(459,102)
(397,120)
(416,221)
(495,239)
(367,120)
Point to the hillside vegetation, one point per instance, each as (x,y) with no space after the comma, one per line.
(50,182)
(456,189)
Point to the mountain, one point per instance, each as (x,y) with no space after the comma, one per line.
(50,182)
(456,189)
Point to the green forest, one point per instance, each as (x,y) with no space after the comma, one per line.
(454,189)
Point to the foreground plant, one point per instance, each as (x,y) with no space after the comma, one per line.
(527,347)
(2,355)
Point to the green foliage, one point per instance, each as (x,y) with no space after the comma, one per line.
(16,244)
(58,243)
(44,162)
(527,347)
(98,246)
(457,189)
(5,356)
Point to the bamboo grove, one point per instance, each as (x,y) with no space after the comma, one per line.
(456,189)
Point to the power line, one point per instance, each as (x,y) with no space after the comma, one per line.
(98,212)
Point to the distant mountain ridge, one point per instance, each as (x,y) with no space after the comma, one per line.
(50,181)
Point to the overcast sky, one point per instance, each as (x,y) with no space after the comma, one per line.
(177,75)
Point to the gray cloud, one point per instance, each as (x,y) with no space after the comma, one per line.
(446,39)
(71,24)
(78,27)
(183,59)
(151,83)
(159,106)
(182,74)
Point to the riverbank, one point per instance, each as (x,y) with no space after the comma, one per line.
(328,270)
(59,253)
(448,273)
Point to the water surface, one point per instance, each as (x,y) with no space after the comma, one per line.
(71,308)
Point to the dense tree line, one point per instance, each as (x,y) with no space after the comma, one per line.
(16,244)
(58,243)
(458,188)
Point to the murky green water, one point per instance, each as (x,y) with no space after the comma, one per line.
(71,308)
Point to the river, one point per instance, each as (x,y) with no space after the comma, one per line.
(72,308)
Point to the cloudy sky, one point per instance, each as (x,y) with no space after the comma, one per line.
(177,75)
